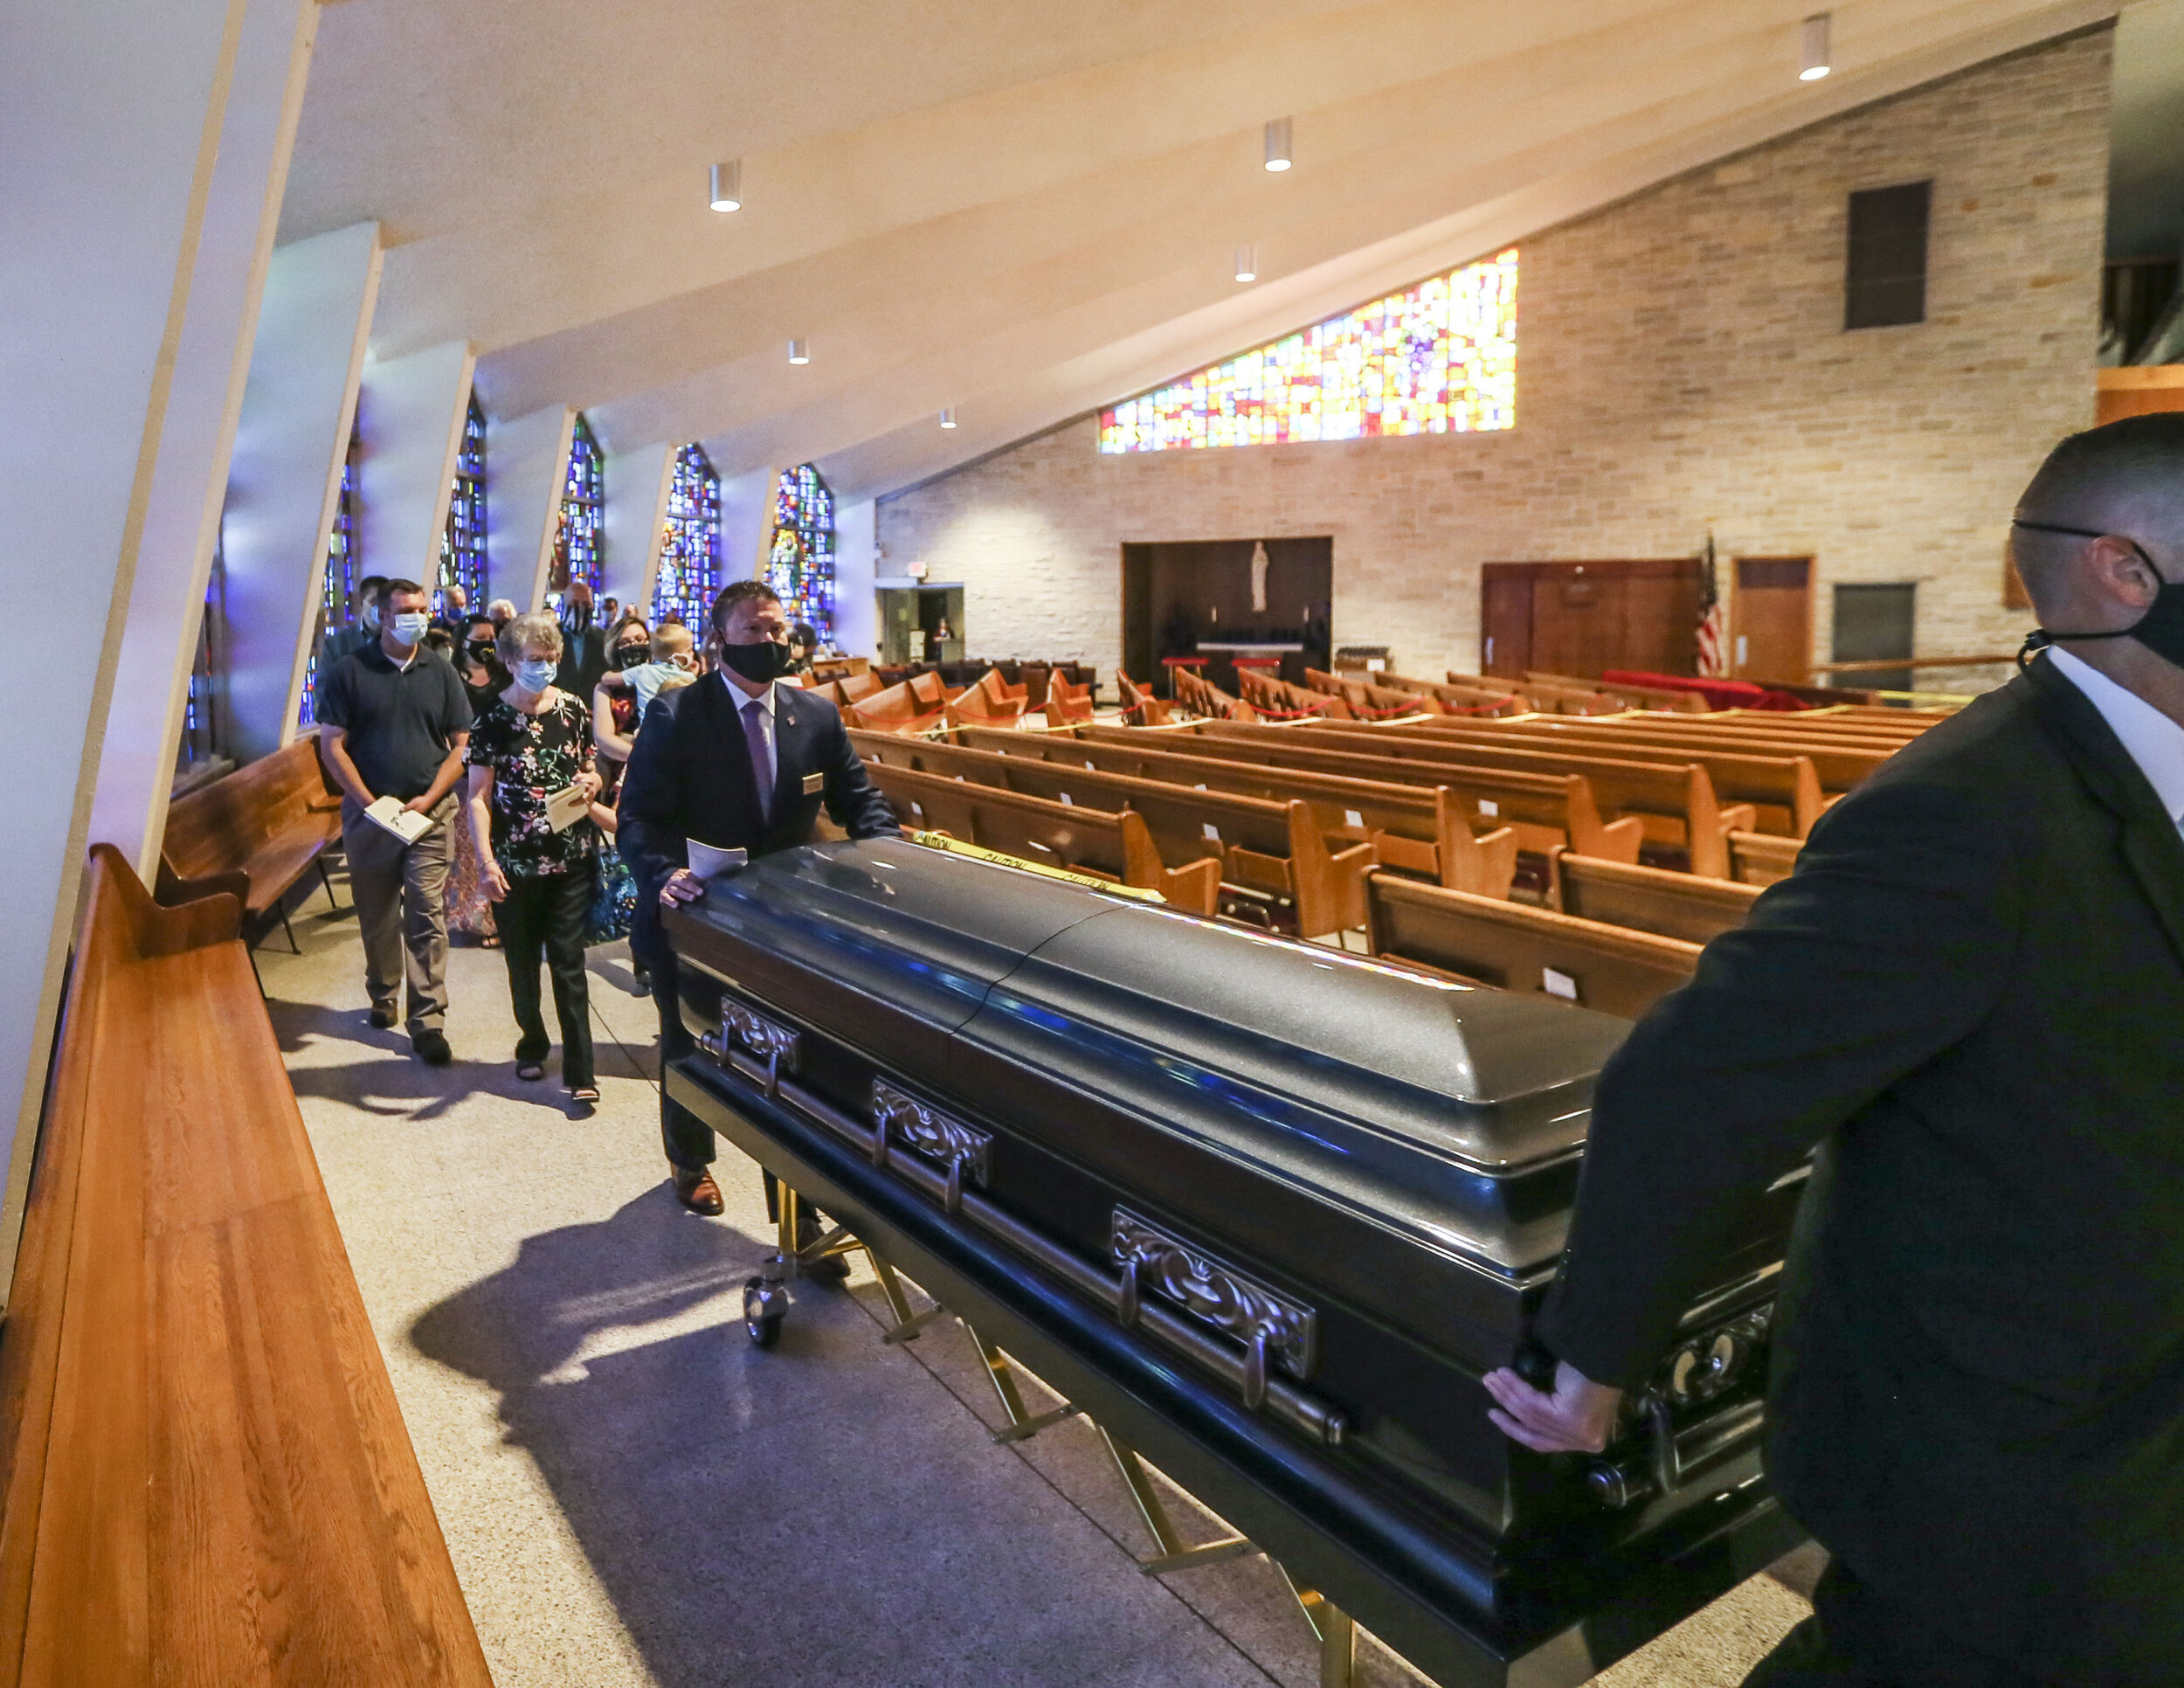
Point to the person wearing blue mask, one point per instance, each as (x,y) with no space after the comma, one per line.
(531,752)
(394,721)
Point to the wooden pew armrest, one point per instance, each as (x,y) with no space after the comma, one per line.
(1195,886)
(1620,838)
(1497,862)
(1739,818)
(173,890)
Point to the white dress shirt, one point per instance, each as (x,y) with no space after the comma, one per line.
(765,700)
(2154,742)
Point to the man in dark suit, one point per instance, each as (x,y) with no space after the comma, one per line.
(1969,997)
(737,762)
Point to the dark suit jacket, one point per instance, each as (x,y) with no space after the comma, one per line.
(690,776)
(583,661)
(1971,995)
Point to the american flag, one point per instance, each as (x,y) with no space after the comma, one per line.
(1711,619)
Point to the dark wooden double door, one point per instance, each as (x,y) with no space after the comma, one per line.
(1587,617)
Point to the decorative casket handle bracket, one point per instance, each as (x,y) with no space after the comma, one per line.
(1274,1330)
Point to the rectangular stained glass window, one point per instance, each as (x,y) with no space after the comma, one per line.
(578,532)
(689,541)
(801,563)
(462,546)
(339,591)
(1440,357)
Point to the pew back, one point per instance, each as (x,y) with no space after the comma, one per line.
(1648,899)
(252,832)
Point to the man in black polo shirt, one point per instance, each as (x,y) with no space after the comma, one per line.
(393,722)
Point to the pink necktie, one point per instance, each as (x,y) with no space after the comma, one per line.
(755,737)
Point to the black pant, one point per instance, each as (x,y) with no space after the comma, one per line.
(1857,1638)
(547,911)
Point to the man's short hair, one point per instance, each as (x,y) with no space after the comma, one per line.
(370,586)
(2134,455)
(391,590)
(736,593)
(672,638)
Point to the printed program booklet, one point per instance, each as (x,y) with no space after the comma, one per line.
(405,824)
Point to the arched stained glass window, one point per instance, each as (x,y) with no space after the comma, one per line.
(462,546)
(340,580)
(800,563)
(577,534)
(690,541)
(1440,357)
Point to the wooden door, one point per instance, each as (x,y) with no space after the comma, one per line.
(1504,620)
(1770,632)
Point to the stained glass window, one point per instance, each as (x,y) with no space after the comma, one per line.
(690,541)
(1438,358)
(800,564)
(340,579)
(577,534)
(462,546)
(202,737)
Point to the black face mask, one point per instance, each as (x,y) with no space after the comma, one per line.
(758,663)
(482,651)
(632,656)
(2160,629)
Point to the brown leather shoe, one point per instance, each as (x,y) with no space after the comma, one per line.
(696,1189)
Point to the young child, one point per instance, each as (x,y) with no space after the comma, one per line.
(674,660)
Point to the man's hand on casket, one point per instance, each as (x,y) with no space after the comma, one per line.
(1577,1418)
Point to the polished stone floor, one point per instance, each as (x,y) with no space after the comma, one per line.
(633,1494)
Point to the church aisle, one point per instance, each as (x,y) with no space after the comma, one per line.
(633,1494)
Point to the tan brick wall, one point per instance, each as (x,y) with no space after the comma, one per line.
(1682,366)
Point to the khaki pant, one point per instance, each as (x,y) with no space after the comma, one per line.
(401,912)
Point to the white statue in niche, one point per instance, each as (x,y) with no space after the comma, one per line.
(1259,577)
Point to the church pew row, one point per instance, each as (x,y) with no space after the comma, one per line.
(1784,789)
(991,703)
(253,834)
(1545,812)
(1647,899)
(1491,698)
(897,708)
(207,1478)
(1268,856)
(1512,947)
(1140,706)
(1199,696)
(1372,702)
(1839,764)
(1760,858)
(1114,846)
(1411,829)
(1673,801)
(1638,697)
(1067,701)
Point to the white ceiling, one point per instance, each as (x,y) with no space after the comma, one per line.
(1023,208)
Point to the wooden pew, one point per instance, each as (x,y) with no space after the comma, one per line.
(1642,698)
(1140,708)
(1516,948)
(862,684)
(1067,702)
(1279,701)
(207,1476)
(992,702)
(1411,829)
(1270,856)
(253,834)
(1648,899)
(1549,699)
(1490,700)
(1760,859)
(1201,698)
(1367,702)
(1783,787)
(1673,801)
(1839,766)
(1105,843)
(895,709)
(1545,811)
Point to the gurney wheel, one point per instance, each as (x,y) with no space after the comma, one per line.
(763,1328)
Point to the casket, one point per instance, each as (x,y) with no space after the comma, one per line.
(1267,1209)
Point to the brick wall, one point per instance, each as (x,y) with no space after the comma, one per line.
(1682,366)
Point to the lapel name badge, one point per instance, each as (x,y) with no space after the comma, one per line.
(814,785)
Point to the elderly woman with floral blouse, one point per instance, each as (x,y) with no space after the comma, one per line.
(539,858)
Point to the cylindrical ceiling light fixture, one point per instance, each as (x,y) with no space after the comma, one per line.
(726,188)
(1814,60)
(948,416)
(1279,154)
(1247,263)
(799,351)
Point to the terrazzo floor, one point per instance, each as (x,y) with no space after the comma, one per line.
(633,1494)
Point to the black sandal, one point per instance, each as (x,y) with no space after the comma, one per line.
(587,1093)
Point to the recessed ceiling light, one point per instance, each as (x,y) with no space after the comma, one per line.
(1815,60)
(799,351)
(948,416)
(1247,263)
(726,188)
(1279,152)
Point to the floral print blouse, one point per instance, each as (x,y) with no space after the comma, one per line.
(531,756)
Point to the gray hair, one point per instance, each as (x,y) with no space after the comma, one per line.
(539,627)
